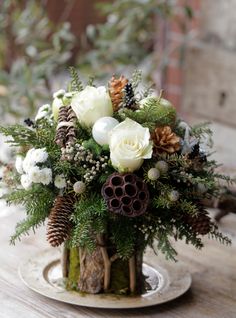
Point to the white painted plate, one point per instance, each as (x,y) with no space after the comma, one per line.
(42,274)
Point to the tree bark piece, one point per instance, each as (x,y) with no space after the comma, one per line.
(132,274)
(91,276)
(107,263)
(65,261)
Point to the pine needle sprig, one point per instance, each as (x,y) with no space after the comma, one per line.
(76,83)
(216,234)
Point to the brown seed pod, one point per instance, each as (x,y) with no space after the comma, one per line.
(126,194)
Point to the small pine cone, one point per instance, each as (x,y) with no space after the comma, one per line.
(129,97)
(126,194)
(59,224)
(164,140)
(71,130)
(201,224)
(61,131)
(116,90)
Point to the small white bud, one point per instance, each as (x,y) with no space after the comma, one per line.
(173,196)
(79,187)
(153,174)
(162,166)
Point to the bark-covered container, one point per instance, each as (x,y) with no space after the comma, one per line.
(102,270)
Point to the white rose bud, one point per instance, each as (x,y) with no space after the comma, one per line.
(153,174)
(91,104)
(129,145)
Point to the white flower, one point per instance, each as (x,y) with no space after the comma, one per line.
(25,181)
(43,112)
(39,155)
(59,94)
(19,164)
(46,176)
(60,181)
(91,104)
(35,174)
(28,161)
(129,145)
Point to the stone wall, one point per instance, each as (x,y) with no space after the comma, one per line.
(209,88)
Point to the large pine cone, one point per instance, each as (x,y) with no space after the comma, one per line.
(200,224)
(116,90)
(164,140)
(59,224)
(126,194)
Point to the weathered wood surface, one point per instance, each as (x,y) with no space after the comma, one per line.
(213,291)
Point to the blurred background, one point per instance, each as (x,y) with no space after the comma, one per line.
(186,47)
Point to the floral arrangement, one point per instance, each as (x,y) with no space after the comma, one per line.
(113,170)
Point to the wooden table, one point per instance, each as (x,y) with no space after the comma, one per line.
(213,291)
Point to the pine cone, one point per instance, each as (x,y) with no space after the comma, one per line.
(129,97)
(164,140)
(61,131)
(71,130)
(126,194)
(116,90)
(59,224)
(201,224)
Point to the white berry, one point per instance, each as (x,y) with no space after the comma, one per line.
(79,187)
(174,196)
(153,174)
(162,166)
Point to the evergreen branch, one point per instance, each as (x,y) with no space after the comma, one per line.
(76,84)
(31,222)
(215,234)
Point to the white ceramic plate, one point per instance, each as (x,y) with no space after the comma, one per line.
(42,273)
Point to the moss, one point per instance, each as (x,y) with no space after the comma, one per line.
(120,277)
(74,269)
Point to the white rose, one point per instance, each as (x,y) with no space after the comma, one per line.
(91,104)
(129,145)
(25,181)
(39,155)
(46,176)
(19,164)
(60,181)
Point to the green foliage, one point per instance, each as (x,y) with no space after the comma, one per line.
(89,218)
(76,84)
(32,51)
(131,26)
(37,201)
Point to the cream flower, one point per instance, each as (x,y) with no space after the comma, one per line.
(60,181)
(39,155)
(28,161)
(35,174)
(46,176)
(129,145)
(91,104)
(43,112)
(25,181)
(19,164)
